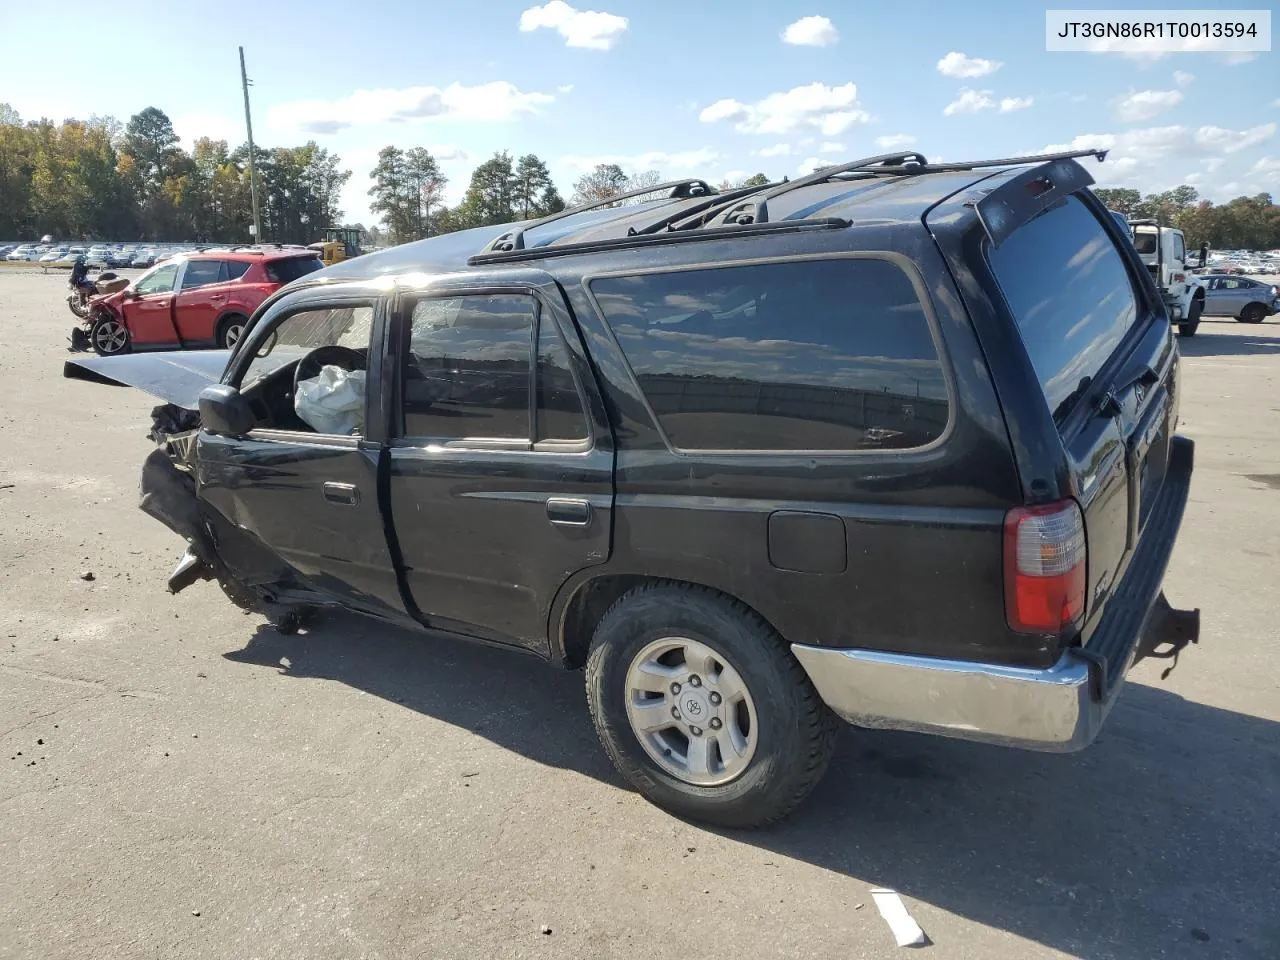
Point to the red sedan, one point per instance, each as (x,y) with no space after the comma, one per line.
(201,300)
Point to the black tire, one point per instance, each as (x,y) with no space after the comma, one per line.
(1188,329)
(795,731)
(1253,313)
(109,337)
(230,329)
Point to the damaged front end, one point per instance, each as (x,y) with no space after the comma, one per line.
(169,492)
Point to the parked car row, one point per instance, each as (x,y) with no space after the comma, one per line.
(115,255)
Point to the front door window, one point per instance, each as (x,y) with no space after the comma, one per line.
(158,281)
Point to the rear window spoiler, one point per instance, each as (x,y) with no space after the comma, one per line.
(1021,198)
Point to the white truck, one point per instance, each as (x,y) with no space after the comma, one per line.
(1164,252)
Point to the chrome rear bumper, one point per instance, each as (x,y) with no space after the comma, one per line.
(1052,709)
(1056,709)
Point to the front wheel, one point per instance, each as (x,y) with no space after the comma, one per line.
(703,709)
(109,336)
(1253,313)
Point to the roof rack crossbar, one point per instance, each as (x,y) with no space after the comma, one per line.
(677,189)
(755,208)
(1101,155)
(697,212)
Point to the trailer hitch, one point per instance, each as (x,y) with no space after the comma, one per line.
(1168,633)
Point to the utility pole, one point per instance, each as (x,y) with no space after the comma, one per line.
(253,173)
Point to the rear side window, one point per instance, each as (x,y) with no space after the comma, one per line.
(286,271)
(1072,298)
(832,355)
(236,268)
(559,407)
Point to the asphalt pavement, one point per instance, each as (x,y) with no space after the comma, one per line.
(179,780)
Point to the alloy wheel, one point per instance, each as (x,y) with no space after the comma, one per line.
(110,336)
(691,711)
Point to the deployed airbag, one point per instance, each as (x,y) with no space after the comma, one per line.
(332,402)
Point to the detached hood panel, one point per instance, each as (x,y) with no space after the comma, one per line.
(175,376)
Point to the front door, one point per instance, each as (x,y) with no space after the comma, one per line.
(148,313)
(292,498)
(501,473)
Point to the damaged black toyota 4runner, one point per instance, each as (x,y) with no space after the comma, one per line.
(892,442)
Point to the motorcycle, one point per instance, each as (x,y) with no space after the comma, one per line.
(82,288)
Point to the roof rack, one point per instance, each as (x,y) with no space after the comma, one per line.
(678,189)
(756,210)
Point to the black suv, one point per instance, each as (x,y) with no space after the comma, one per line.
(892,442)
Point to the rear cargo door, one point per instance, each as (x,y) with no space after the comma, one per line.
(1105,369)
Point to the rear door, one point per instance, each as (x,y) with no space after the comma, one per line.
(200,300)
(501,474)
(1106,371)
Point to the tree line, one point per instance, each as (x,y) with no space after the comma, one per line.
(98,178)
(1245,223)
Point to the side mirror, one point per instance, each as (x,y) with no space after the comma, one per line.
(224,410)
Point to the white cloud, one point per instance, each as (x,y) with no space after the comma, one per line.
(811,32)
(1230,187)
(491,102)
(1231,141)
(1079,97)
(810,165)
(1183,79)
(1010,104)
(777,150)
(1139,154)
(1145,104)
(565,88)
(970,101)
(831,110)
(1267,165)
(588,29)
(735,176)
(670,165)
(1192,178)
(957,65)
(895,140)
(829,147)
(1235,58)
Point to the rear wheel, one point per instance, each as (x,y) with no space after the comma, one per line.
(1253,313)
(109,336)
(703,709)
(230,330)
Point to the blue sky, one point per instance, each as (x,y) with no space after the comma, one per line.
(709,89)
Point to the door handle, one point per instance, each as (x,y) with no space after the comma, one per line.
(345,494)
(217,297)
(569,512)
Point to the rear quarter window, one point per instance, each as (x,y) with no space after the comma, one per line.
(825,355)
(286,271)
(1066,285)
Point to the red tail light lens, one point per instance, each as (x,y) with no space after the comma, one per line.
(1179,278)
(1044,567)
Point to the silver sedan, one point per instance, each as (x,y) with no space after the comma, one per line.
(1249,301)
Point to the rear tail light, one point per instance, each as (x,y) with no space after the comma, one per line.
(1179,278)
(1044,567)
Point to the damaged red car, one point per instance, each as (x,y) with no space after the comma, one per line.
(196,301)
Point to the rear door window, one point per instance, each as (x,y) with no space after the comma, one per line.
(1067,287)
(236,268)
(826,355)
